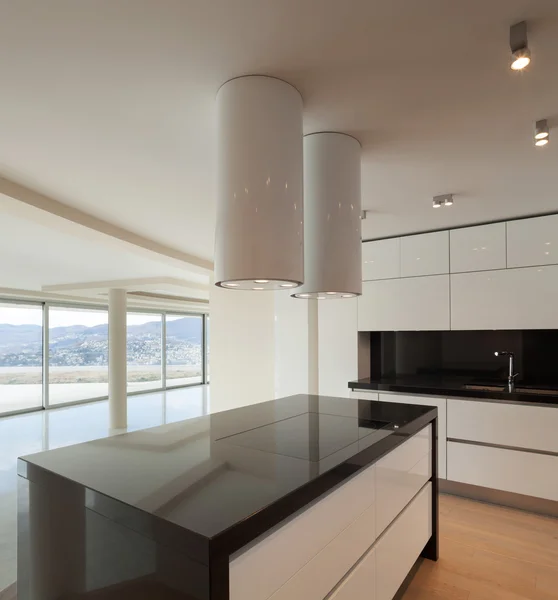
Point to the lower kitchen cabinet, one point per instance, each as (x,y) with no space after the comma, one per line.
(440,403)
(514,471)
(382,570)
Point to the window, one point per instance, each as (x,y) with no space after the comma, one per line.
(184,350)
(21,357)
(78,354)
(207,336)
(144,348)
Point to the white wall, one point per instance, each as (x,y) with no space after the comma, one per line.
(291,345)
(242,348)
(338,346)
(269,345)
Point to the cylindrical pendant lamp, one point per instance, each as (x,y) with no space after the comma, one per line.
(332,225)
(259,234)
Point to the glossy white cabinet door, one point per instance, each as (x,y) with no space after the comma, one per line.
(400,475)
(381,259)
(529,427)
(425,254)
(533,241)
(361,583)
(401,545)
(415,303)
(478,248)
(440,404)
(501,469)
(506,299)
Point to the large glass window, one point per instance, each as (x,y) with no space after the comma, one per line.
(144,348)
(184,349)
(21,357)
(78,354)
(207,338)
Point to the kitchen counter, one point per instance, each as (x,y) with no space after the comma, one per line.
(461,387)
(160,513)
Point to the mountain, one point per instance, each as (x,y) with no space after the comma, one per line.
(21,345)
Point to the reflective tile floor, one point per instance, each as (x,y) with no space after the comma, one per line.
(45,430)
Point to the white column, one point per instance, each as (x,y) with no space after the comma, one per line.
(118,408)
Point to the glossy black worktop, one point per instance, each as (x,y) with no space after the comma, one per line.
(229,476)
(463,387)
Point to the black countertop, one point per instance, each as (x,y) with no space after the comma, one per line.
(215,483)
(462,387)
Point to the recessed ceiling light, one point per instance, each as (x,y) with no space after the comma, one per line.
(261,280)
(521,55)
(331,293)
(303,295)
(348,296)
(287,285)
(231,284)
(321,297)
(257,288)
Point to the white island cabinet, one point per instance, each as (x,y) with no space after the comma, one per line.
(358,542)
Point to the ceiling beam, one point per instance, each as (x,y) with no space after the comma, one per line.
(44,203)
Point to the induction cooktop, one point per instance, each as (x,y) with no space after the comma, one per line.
(310,436)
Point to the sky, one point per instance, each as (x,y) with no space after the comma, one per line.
(63,317)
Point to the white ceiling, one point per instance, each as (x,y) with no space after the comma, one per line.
(108,106)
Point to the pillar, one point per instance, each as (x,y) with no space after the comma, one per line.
(118,408)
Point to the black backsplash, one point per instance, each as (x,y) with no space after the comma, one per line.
(468,353)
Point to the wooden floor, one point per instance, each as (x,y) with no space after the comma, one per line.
(490,553)
(486,553)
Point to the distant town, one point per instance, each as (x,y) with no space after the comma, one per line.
(81,346)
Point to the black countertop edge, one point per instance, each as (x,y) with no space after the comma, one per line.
(447,391)
(266,519)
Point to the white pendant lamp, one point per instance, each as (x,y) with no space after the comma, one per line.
(259,234)
(332,224)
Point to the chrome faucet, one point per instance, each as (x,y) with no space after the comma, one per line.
(511,372)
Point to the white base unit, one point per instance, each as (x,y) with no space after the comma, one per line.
(307,557)
(420,303)
(364,395)
(380,573)
(401,545)
(518,426)
(441,404)
(400,475)
(514,471)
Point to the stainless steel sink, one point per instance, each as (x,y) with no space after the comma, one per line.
(485,388)
(542,392)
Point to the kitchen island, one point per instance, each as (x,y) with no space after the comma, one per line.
(305,497)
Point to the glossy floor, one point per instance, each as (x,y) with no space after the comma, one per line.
(45,430)
(490,553)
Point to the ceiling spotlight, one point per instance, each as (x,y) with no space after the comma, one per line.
(443,200)
(541,132)
(261,280)
(287,285)
(521,55)
(230,284)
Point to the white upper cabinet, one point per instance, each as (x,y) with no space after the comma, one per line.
(506,299)
(381,259)
(478,248)
(425,254)
(533,242)
(415,303)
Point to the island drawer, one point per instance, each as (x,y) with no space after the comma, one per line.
(400,475)
(380,573)
(515,425)
(281,553)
